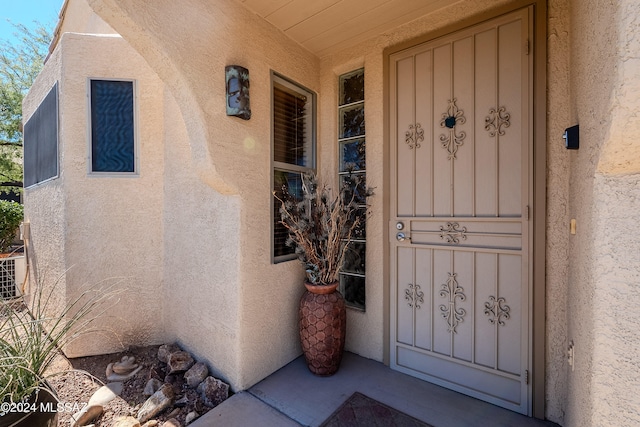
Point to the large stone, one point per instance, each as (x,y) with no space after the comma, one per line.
(106,394)
(179,362)
(126,365)
(190,417)
(86,415)
(152,386)
(165,350)
(171,422)
(213,391)
(126,422)
(112,376)
(196,374)
(157,403)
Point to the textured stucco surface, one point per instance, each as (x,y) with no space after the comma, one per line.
(604,278)
(89,228)
(245,307)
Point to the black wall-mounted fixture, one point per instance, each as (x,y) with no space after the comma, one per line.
(572,138)
(237,80)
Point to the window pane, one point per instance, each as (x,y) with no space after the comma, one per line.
(353,290)
(354,260)
(356,186)
(352,155)
(290,182)
(112,142)
(360,231)
(352,87)
(351,121)
(292,126)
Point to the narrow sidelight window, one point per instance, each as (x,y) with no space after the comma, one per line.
(352,173)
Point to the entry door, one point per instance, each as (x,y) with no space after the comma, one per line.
(460,246)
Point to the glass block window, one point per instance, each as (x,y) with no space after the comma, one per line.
(352,173)
(293,150)
(112,126)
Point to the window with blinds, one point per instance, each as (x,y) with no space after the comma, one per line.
(293,143)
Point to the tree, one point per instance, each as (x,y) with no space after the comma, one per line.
(20,63)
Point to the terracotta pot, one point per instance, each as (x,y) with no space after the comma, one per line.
(323,327)
(45,414)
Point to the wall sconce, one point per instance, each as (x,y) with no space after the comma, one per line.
(237,79)
(572,138)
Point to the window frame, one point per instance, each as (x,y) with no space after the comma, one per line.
(55,89)
(136,139)
(362,172)
(288,167)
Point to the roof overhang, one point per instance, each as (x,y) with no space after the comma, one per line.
(325,26)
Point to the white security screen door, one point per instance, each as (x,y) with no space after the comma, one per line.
(461,183)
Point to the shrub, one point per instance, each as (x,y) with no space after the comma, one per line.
(11,215)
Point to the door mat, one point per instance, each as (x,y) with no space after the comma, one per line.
(362,411)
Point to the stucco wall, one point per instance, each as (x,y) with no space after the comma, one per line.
(92,227)
(232,157)
(46,239)
(604,279)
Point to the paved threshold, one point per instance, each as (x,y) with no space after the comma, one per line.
(293,396)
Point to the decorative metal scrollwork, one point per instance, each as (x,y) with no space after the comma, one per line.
(452,233)
(414,135)
(414,295)
(450,119)
(497,310)
(453,291)
(496,121)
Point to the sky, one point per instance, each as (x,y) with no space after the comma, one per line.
(25,12)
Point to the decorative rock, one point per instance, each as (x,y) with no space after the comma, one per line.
(213,391)
(174,413)
(126,365)
(88,414)
(112,376)
(152,386)
(183,401)
(126,422)
(157,403)
(190,417)
(151,423)
(179,361)
(105,394)
(196,374)
(165,350)
(172,422)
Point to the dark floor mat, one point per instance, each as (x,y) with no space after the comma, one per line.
(362,411)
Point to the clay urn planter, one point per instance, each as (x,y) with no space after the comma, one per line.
(320,229)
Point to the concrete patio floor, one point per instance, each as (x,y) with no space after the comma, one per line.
(293,396)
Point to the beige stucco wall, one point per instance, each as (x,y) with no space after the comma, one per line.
(603,296)
(243,307)
(91,227)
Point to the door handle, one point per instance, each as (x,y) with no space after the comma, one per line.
(401,237)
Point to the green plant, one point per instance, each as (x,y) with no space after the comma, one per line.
(32,334)
(11,215)
(320,225)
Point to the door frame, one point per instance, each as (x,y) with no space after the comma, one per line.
(538,183)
